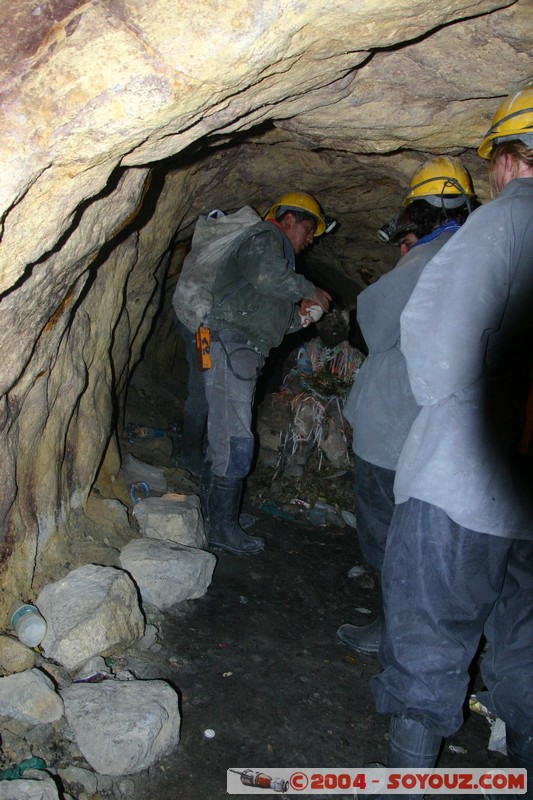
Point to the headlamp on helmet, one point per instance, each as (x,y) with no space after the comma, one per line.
(397,227)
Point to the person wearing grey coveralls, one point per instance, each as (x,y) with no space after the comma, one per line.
(381,407)
(459,557)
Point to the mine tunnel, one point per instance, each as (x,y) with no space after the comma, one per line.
(123,124)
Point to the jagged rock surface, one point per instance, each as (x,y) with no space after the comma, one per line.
(168,573)
(123,727)
(92,611)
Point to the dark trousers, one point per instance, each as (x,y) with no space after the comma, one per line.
(444,586)
(374,507)
(230,389)
(195,406)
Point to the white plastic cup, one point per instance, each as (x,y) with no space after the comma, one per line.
(28,623)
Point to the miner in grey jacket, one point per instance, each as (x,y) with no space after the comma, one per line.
(258,298)
(381,406)
(459,559)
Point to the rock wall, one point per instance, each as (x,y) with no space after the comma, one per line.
(123,120)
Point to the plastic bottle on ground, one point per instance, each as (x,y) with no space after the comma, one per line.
(28,623)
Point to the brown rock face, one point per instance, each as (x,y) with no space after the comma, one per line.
(123,120)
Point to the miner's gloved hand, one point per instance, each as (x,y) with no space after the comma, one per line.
(309,313)
(320,297)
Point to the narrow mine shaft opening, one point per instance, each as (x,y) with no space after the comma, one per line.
(158,386)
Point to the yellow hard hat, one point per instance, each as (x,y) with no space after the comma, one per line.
(513,120)
(299,201)
(441,181)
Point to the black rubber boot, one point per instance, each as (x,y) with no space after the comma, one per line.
(225,533)
(366,638)
(247,520)
(206,479)
(411,744)
(362,639)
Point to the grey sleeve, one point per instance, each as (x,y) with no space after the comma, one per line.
(458,302)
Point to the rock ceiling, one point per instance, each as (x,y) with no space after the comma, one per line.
(122,120)
(340,98)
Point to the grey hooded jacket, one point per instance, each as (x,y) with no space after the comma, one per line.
(467,336)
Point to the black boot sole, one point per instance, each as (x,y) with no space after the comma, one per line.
(360,648)
(227,548)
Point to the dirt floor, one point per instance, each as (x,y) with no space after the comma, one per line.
(256,661)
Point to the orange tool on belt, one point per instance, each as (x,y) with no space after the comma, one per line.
(203,348)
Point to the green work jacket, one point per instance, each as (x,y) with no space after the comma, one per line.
(257,291)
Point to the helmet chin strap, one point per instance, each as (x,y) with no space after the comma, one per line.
(455,202)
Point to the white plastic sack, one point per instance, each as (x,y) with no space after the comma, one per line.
(212,239)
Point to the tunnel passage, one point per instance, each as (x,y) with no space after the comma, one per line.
(108,161)
(122,122)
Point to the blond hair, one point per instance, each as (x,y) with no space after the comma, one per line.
(517,150)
